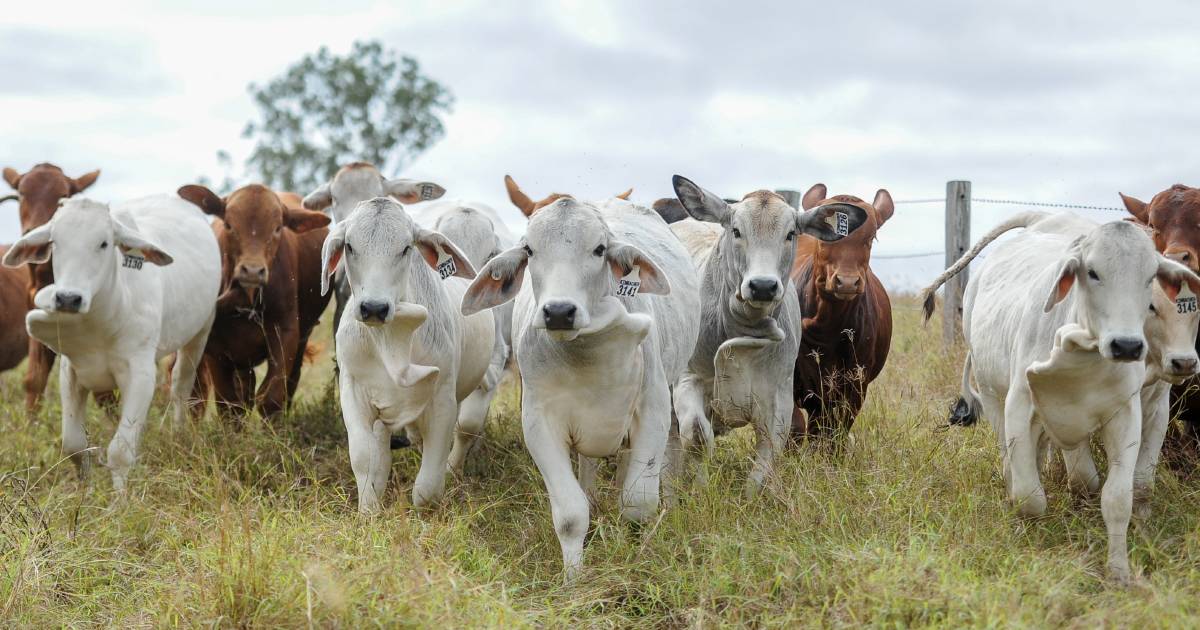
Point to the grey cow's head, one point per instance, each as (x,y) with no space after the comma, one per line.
(380,247)
(1112,269)
(760,234)
(360,181)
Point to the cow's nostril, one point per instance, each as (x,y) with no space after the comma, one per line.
(1183,365)
(559,315)
(763,289)
(1126,349)
(67,302)
(373,311)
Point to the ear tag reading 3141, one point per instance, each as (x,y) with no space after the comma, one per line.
(1185,302)
(445,264)
(630,284)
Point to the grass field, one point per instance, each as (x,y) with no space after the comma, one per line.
(907,526)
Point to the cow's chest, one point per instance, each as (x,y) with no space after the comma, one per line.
(591,405)
(1072,405)
(241,337)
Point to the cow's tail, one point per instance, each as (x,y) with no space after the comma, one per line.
(1025,219)
(965,411)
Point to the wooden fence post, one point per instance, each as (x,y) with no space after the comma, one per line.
(958,241)
(791,196)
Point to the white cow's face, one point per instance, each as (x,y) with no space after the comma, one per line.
(86,247)
(760,236)
(1113,269)
(380,247)
(360,182)
(573,263)
(1171,332)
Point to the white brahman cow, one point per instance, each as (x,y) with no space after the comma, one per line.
(131,285)
(602,330)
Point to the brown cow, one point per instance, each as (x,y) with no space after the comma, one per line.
(528,206)
(1173,216)
(847,320)
(39,192)
(14,341)
(271,295)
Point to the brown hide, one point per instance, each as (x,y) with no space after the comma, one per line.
(14,342)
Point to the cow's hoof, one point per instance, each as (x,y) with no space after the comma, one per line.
(961,414)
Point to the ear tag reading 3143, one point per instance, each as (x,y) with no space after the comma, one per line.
(630,284)
(1185,302)
(445,264)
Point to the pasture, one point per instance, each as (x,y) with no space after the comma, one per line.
(905,526)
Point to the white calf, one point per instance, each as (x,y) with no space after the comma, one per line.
(406,356)
(130,286)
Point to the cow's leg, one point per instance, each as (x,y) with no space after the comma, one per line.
(568,504)
(281,355)
(293,379)
(370,457)
(1021,456)
(770,425)
(233,388)
(1156,419)
(437,436)
(589,472)
(688,399)
(1122,440)
(472,418)
(1082,476)
(74,415)
(136,382)
(647,450)
(183,375)
(37,373)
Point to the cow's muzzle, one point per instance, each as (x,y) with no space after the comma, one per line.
(1182,367)
(763,289)
(559,315)
(251,276)
(1127,349)
(374,312)
(68,302)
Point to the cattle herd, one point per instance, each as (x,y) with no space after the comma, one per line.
(638,332)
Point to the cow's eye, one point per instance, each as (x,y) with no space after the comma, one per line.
(528,251)
(406,250)
(737,233)
(278,229)
(349,249)
(1092,275)
(103,244)
(791,235)
(1153,310)
(599,251)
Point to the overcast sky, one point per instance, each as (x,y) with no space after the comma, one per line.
(1066,102)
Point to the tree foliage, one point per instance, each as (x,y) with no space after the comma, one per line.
(324,111)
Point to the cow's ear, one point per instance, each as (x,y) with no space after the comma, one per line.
(625,195)
(1068,269)
(1137,208)
(301,221)
(699,203)
(623,258)
(442,255)
(130,242)
(498,282)
(411,190)
(831,221)
(319,199)
(814,196)
(205,199)
(518,197)
(79,184)
(34,248)
(1172,276)
(331,254)
(884,205)
(12,177)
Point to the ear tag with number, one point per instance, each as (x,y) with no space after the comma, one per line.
(427,193)
(630,283)
(134,259)
(840,222)
(1185,302)
(445,264)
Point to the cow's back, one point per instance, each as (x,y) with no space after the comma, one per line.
(14,341)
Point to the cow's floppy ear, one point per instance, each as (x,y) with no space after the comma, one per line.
(301,221)
(699,203)
(498,282)
(34,248)
(79,184)
(1137,208)
(1172,276)
(884,205)
(319,199)
(12,177)
(831,221)
(517,197)
(207,200)
(1068,269)
(814,196)
(131,242)
(437,250)
(331,254)
(411,190)
(623,257)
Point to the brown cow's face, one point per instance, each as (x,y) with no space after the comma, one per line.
(253,219)
(841,267)
(1173,216)
(41,190)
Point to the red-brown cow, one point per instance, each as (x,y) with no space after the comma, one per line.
(1173,216)
(847,320)
(271,295)
(14,341)
(39,192)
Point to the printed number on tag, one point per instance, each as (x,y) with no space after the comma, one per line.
(1185,304)
(427,194)
(447,267)
(136,262)
(629,284)
(843,223)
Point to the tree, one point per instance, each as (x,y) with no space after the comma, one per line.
(325,111)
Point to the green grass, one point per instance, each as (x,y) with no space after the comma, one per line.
(905,526)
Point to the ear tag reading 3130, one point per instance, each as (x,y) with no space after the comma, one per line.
(445,264)
(427,193)
(629,284)
(134,260)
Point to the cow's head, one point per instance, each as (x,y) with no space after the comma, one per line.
(359,181)
(1113,268)
(1171,333)
(252,222)
(382,251)
(840,268)
(89,247)
(1173,217)
(528,206)
(573,262)
(472,231)
(760,236)
(41,189)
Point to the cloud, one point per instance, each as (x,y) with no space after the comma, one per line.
(44,63)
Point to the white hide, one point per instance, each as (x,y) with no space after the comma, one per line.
(134,311)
